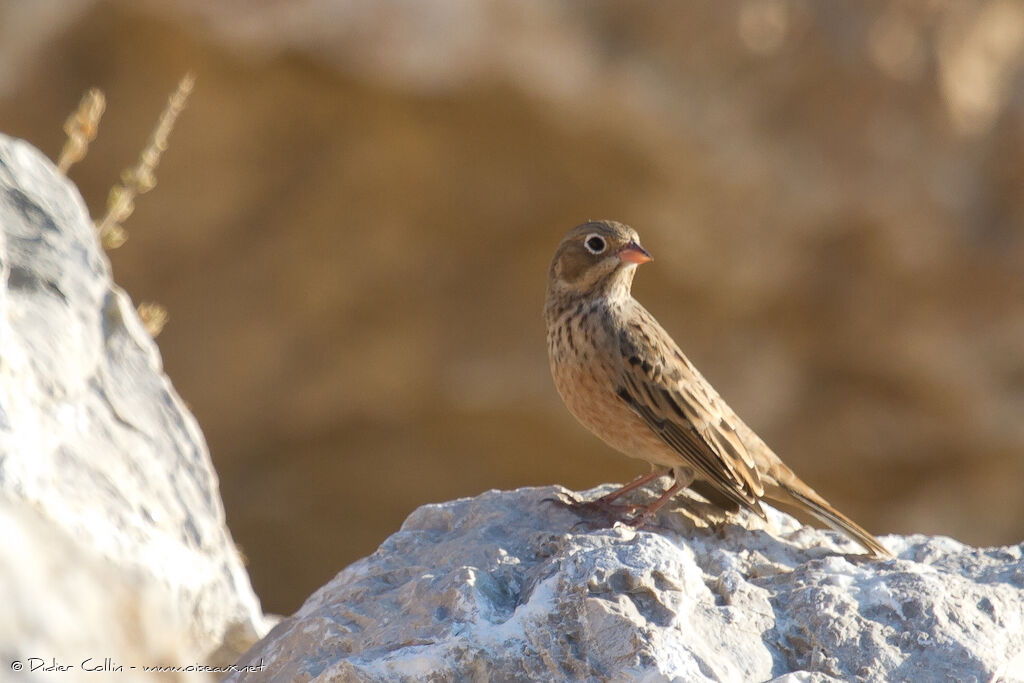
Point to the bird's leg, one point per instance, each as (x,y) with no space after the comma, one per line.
(643,479)
(681,479)
(648,511)
(606,505)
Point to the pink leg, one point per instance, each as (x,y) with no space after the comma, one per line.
(651,509)
(606,504)
(635,484)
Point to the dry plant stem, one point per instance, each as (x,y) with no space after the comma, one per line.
(141,178)
(154,317)
(81,128)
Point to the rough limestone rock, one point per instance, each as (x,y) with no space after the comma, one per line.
(507,586)
(114,541)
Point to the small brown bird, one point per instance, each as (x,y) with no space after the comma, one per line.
(621,375)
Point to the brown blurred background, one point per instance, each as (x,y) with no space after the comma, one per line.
(354,219)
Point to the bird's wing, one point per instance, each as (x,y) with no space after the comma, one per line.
(661,386)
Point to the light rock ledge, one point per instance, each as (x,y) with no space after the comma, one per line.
(508,587)
(114,544)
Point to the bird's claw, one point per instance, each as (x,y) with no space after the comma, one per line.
(563,499)
(601,507)
(640,520)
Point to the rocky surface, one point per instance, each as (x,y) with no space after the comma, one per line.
(364,195)
(509,586)
(114,539)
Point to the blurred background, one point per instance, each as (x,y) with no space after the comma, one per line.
(353,223)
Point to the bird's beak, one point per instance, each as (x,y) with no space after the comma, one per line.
(634,253)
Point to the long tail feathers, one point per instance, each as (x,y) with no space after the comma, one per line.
(840,522)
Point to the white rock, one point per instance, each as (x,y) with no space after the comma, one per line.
(114,537)
(506,586)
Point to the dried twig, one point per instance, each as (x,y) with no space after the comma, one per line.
(153,316)
(81,128)
(141,178)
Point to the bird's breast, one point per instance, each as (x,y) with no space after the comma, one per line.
(584,368)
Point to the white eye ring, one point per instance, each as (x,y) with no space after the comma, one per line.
(594,243)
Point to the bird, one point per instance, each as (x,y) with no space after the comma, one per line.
(623,377)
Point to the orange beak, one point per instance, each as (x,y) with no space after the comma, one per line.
(634,253)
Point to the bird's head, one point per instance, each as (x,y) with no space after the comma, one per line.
(598,258)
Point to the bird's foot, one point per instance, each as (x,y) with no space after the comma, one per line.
(601,507)
(603,504)
(641,519)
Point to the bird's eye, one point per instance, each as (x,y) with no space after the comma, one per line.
(594,244)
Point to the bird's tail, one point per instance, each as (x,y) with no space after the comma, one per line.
(811,502)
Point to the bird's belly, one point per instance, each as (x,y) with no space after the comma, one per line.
(591,398)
